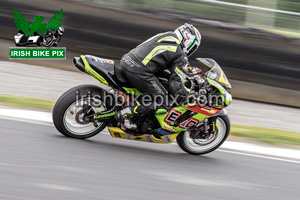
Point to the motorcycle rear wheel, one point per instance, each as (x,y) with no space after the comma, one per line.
(68,111)
(198,147)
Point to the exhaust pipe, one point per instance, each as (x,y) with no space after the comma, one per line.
(78,63)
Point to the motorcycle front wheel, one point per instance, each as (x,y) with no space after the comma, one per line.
(205,145)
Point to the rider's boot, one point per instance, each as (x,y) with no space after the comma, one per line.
(124,117)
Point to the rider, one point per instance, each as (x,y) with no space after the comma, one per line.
(167,50)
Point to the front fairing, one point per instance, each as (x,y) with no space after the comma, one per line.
(200,113)
(216,77)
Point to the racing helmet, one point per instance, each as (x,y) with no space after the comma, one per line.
(60,30)
(189,37)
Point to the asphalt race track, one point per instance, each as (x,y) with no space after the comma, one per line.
(38,163)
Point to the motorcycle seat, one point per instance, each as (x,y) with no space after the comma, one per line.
(121,79)
(119,75)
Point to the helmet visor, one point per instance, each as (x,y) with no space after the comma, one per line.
(192,50)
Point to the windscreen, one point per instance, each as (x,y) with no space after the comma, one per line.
(217,74)
(215,71)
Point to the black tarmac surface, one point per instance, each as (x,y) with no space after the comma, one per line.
(36,162)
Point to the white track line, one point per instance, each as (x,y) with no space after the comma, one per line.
(262,150)
(282,154)
(259,156)
(39,116)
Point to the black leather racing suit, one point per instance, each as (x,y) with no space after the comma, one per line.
(158,53)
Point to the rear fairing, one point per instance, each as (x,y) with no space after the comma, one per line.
(101,69)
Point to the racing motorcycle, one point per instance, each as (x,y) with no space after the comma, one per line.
(52,37)
(198,127)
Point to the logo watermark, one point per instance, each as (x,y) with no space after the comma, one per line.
(46,35)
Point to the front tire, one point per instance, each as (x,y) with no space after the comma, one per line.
(189,145)
(68,109)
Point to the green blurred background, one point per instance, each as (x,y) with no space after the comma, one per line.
(280,15)
(256,42)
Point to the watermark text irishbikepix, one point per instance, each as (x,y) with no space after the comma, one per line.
(154,100)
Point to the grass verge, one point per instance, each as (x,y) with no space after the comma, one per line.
(266,135)
(285,32)
(27,102)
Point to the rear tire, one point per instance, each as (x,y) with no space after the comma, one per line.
(186,144)
(68,103)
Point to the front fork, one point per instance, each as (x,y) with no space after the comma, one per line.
(207,126)
(204,129)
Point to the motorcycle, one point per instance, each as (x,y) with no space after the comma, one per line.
(52,37)
(199,128)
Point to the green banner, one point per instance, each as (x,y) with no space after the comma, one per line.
(37,53)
